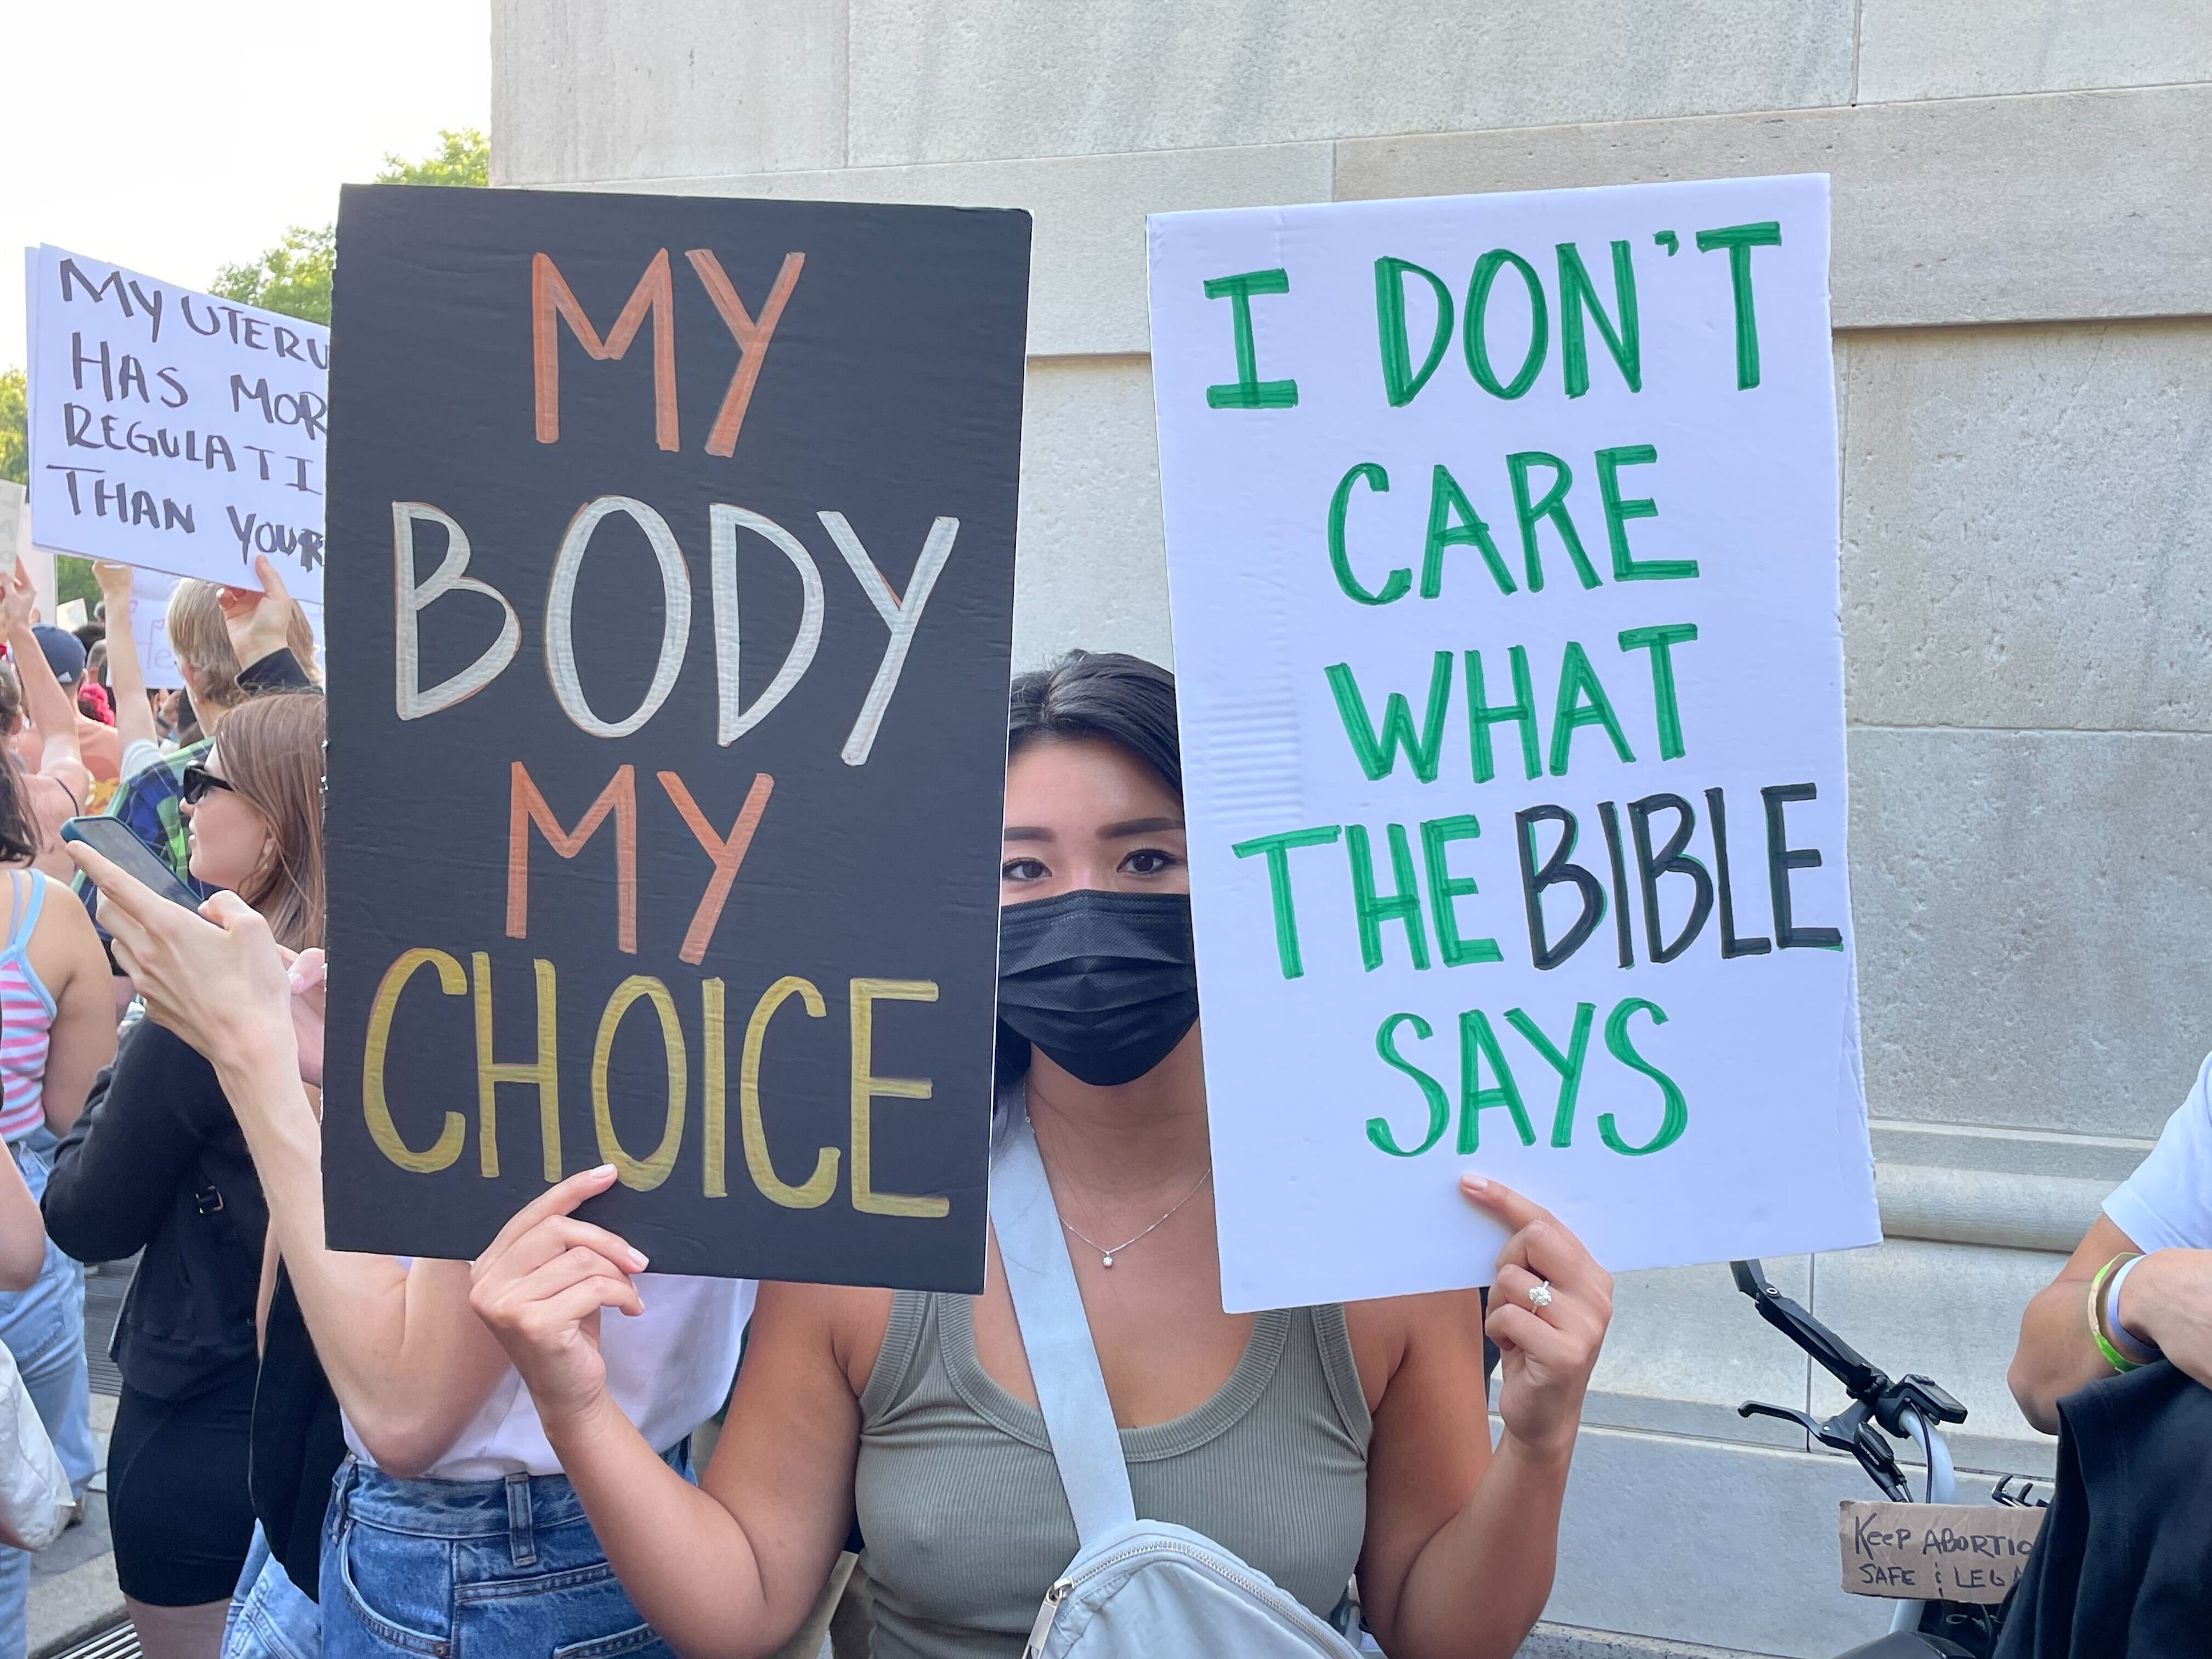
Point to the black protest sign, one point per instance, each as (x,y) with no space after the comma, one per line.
(668,722)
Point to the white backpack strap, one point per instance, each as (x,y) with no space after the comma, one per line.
(1056,1336)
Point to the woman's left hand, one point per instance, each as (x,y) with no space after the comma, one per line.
(217,979)
(259,619)
(1547,1346)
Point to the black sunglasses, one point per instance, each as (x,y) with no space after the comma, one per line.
(197,781)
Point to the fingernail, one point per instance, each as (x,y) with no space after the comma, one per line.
(604,1170)
(1474,1183)
(637,1261)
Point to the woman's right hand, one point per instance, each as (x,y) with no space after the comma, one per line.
(259,619)
(217,979)
(541,1285)
(2168,1300)
(114,581)
(18,598)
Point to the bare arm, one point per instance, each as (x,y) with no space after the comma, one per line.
(265,1293)
(134,716)
(2168,1301)
(68,957)
(2055,1354)
(53,714)
(1462,1541)
(727,1569)
(408,1360)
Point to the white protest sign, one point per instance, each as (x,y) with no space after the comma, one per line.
(149,627)
(172,430)
(1502,538)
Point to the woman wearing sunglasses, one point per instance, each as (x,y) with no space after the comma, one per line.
(158,1164)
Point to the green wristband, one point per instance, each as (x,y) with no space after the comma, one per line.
(2114,1356)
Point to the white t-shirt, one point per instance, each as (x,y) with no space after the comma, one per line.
(137,758)
(669,1370)
(2166,1204)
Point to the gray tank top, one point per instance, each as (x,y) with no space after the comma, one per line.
(961,1504)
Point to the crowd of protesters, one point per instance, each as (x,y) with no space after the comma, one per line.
(325,1452)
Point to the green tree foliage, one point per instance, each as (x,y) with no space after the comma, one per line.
(14,426)
(293,278)
(73,578)
(463,157)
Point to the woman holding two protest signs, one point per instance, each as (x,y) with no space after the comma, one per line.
(1311,1441)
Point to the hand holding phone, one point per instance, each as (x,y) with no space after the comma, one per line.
(113,840)
(216,978)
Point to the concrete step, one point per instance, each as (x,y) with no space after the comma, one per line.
(1549,1641)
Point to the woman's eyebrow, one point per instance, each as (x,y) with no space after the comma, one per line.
(1138,827)
(1028,832)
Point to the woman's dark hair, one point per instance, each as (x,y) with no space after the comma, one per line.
(19,834)
(1100,694)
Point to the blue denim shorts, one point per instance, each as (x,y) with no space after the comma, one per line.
(271,1617)
(473,1569)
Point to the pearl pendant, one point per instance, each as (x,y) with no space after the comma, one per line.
(1107,1262)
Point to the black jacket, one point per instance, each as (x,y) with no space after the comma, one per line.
(280,670)
(2123,1567)
(157,1162)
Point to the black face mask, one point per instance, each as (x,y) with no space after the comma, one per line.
(1103,982)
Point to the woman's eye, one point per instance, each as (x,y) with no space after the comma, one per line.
(1023,870)
(1148,862)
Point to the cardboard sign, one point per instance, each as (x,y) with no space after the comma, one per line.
(174,430)
(1501,535)
(668,728)
(1935,1552)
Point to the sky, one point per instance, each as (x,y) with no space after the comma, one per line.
(173,139)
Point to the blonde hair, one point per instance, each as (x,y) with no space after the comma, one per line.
(201,641)
(272,755)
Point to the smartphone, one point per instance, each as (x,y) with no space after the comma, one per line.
(111,839)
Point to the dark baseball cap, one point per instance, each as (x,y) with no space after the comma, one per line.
(64,655)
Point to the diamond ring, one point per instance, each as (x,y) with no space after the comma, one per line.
(1540,1294)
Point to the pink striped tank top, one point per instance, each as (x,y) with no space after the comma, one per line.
(26,1014)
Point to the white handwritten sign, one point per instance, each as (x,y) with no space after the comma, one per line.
(172,430)
(149,629)
(1501,535)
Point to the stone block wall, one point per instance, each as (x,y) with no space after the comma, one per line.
(2023,301)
